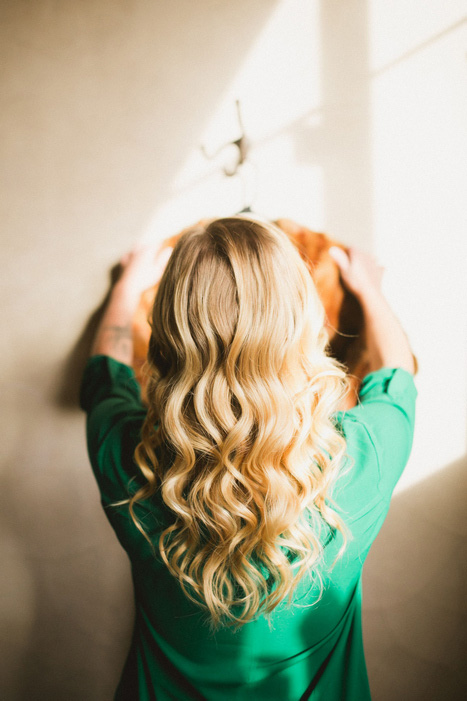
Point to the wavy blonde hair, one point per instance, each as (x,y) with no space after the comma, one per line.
(239,436)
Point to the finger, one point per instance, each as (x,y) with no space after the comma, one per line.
(340,257)
(163,257)
(142,250)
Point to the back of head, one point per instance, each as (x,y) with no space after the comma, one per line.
(241,394)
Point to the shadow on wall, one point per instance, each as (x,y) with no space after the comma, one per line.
(339,144)
(414,593)
(70,381)
(72,642)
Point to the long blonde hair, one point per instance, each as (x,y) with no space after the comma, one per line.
(241,396)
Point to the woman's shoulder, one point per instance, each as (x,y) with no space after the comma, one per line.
(379,431)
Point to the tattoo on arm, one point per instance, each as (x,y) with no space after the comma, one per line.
(118,333)
(116,341)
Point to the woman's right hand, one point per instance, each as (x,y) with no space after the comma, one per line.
(360,271)
(143,266)
(385,339)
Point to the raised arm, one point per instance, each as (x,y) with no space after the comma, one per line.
(141,268)
(386,340)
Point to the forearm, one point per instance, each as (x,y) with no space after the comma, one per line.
(386,340)
(114,334)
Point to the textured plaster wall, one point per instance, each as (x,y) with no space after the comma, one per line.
(104,105)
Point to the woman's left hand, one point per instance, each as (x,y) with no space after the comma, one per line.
(143,267)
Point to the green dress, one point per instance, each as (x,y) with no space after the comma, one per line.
(312,650)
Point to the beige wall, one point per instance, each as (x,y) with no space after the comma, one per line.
(105,104)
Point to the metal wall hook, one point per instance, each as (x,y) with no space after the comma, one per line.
(242,144)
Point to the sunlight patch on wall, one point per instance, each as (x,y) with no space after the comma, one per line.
(279,86)
(400,27)
(419,151)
